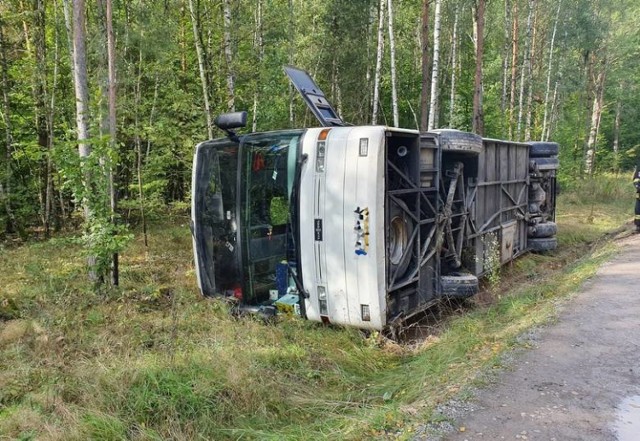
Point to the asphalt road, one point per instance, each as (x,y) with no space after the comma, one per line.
(582,380)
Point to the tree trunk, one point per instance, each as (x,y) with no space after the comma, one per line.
(616,134)
(515,38)
(595,121)
(392,51)
(259,44)
(424,94)
(379,53)
(40,100)
(82,102)
(183,38)
(49,193)
(553,113)
(505,57)
(201,66)
(290,42)
(6,185)
(525,66)
(138,144)
(231,91)
(478,114)
(454,66)
(527,125)
(549,69)
(113,193)
(433,104)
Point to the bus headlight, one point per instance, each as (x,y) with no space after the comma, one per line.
(320,155)
(322,300)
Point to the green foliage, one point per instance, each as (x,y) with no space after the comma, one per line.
(88,180)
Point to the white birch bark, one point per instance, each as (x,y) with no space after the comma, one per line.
(595,122)
(525,67)
(231,92)
(80,78)
(515,38)
(379,52)
(81,88)
(201,68)
(392,50)
(433,104)
(454,67)
(505,57)
(424,56)
(111,62)
(549,70)
(532,52)
(478,112)
(6,184)
(552,112)
(259,43)
(292,94)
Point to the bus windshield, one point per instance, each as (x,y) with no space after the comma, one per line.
(268,169)
(242,216)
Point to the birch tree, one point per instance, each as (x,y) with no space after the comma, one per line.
(596,113)
(231,90)
(81,88)
(616,131)
(454,67)
(549,70)
(505,57)
(6,183)
(392,51)
(433,105)
(201,68)
(525,68)
(379,53)
(424,49)
(111,81)
(514,66)
(532,52)
(478,114)
(259,47)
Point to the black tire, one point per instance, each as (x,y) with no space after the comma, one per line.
(400,231)
(540,149)
(542,244)
(544,229)
(458,285)
(546,164)
(456,140)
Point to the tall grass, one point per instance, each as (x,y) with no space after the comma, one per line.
(154,360)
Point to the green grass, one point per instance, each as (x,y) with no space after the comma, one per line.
(154,360)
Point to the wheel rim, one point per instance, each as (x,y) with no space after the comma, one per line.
(398,239)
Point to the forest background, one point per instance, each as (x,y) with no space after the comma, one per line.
(134,85)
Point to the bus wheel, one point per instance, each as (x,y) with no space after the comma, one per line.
(542,244)
(544,229)
(459,285)
(456,140)
(547,164)
(400,231)
(542,149)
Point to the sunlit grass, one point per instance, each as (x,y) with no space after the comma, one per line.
(154,360)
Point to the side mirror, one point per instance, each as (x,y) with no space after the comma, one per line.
(231,120)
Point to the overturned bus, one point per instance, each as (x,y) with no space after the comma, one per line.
(363,226)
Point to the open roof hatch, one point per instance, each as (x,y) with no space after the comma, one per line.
(314,97)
